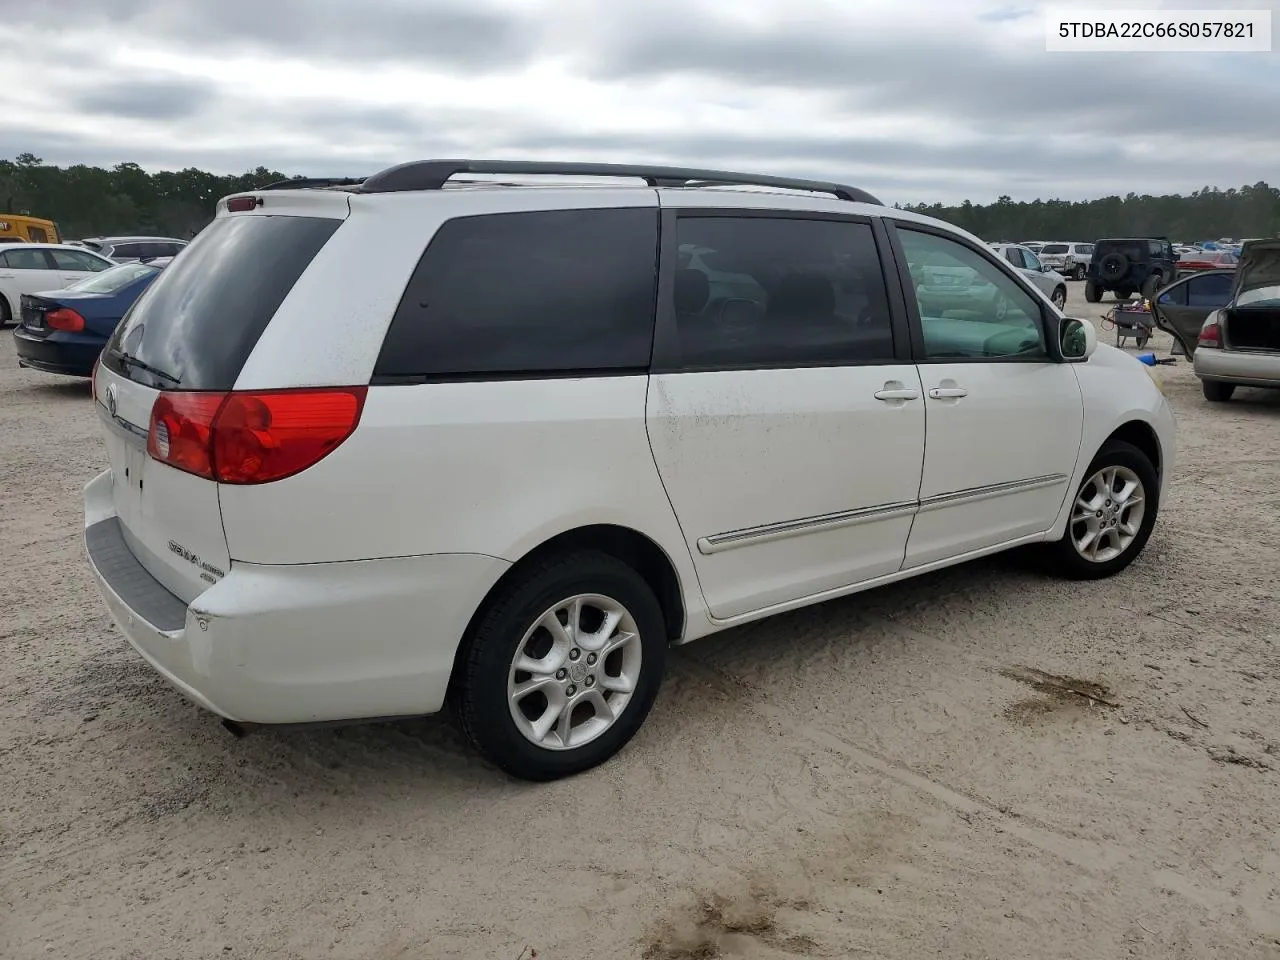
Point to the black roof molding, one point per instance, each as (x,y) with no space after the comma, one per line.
(434,174)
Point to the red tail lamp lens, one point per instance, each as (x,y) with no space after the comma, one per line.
(1210,335)
(181,431)
(64,319)
(246,438)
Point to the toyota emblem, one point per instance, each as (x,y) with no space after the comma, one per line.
(111,399)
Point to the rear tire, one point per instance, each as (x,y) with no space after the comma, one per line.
(574,665)
(1079,272)
(1215,391)
(1124,524)
(1091,291)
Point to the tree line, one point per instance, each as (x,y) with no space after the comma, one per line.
(1207,214)
(90,201)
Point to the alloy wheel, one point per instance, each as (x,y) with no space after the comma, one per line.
(1107,514)
(574,672)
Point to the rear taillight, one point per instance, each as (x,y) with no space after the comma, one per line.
(1210,334)
(64,318)
(254,437)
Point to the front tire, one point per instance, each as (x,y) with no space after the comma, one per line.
(1154,283)
(562,666)
(6,315)
(1112,515)
(1215,391)
(1059,298)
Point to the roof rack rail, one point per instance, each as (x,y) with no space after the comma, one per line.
(434,174)
(310,183)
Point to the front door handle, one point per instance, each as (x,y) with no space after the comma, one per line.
(895,390)
(948,393)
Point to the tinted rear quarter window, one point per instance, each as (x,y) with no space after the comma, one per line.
(200,319)
(542,293)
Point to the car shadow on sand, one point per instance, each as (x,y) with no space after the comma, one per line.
(193,762)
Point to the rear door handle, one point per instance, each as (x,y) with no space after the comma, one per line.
(948,393)
(894,390)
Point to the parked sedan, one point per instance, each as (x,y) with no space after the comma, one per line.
(1203,260)
(1228,321)
(1051,283)
(28,267)
(65,330)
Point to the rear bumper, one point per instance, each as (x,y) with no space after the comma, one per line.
(55,356)
(1238,366)
(298,643)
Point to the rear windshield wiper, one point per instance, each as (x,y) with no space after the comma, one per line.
(131,361)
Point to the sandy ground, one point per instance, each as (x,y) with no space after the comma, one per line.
(885,776)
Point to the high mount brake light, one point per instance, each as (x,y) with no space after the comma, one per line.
(241,204)
(251,437)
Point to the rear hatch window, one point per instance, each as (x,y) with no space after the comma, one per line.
(1053,248)
(195,327)
(113,279)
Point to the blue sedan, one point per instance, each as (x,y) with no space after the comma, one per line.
(64,331)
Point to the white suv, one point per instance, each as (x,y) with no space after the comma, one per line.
(376,446)
(1069,259)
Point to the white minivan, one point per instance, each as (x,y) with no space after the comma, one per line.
(424,438)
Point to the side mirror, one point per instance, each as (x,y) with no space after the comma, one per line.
(1079,339)
(1046,268)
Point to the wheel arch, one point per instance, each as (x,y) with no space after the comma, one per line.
(1140,434)
(642,553)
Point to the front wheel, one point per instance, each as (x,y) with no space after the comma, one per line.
(1215,391)
(1059,298)
(562,666)
(1111,516)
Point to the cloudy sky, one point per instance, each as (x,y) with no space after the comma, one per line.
(915,100)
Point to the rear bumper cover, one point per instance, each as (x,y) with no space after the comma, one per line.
(300,643)
(54,356)
(1238,366)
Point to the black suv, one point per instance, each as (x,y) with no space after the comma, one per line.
(1127,266)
